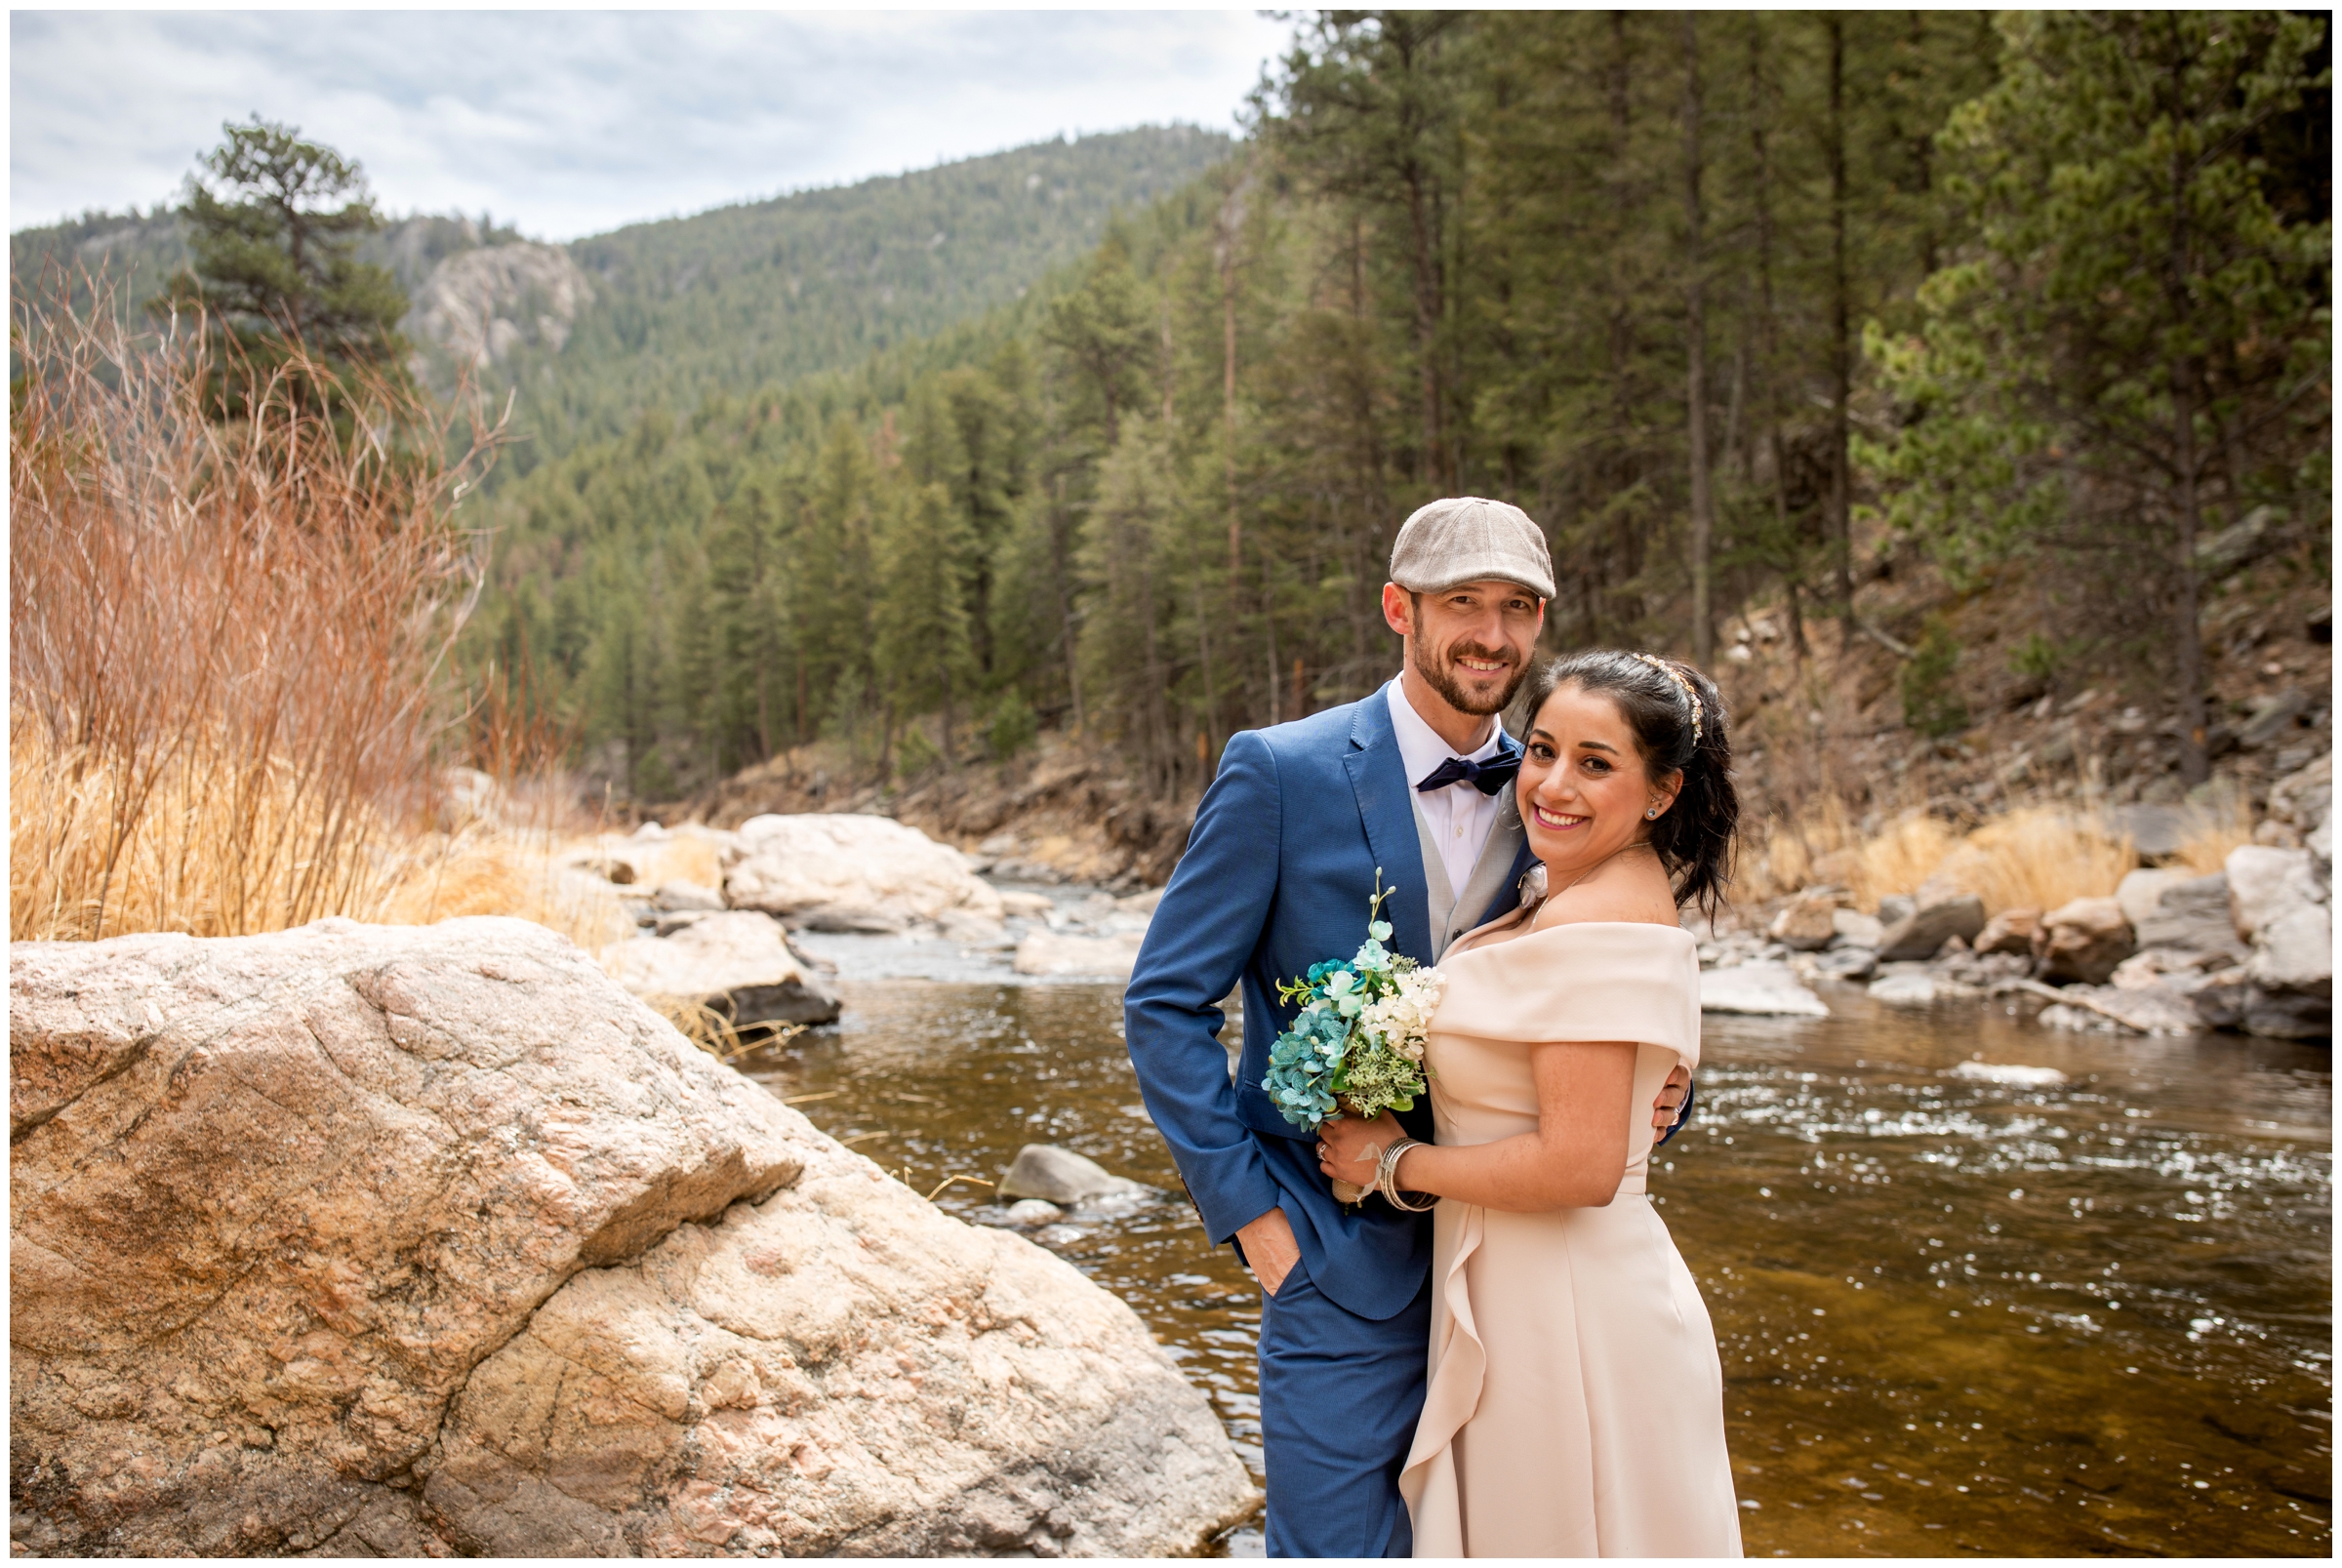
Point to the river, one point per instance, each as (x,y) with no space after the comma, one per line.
(1961,1310)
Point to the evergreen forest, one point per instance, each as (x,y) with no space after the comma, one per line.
(1111,437)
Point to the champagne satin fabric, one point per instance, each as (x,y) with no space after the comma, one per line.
(1576,1399)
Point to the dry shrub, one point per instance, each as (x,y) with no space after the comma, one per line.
(2037,857)
(2215,831)
(224,634)
(511,871)
(686,859)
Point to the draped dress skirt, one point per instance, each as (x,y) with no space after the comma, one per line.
(1575,1406)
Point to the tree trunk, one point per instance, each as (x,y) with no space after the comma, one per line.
(1228,414)
(1268,627)
(1427,329)
(2187,400)
(1059,526)
(1842,532)
(1769,338)
(1626,535)
(1703,518)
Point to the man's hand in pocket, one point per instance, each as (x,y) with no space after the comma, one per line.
(1270,1248)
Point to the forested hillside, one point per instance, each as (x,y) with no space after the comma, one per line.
(1861,318)
(732,301)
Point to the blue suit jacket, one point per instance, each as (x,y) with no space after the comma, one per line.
(1276,877)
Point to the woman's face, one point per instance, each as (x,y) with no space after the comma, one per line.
(1584,789)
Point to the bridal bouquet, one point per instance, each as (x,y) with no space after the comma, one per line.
(1356,1046)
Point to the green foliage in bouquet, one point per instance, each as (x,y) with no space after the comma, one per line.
(1356,1045)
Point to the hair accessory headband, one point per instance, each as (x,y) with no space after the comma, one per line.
(1690,696)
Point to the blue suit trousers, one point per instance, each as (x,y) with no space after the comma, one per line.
(1340,1395)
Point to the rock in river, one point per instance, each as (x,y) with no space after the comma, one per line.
(1807,921)
(2084,939)
(1923,932)
(2282,901)
(1057,952)
(841,873)
(1763,989)
(1064,1178)
(419,1242)
(738,964)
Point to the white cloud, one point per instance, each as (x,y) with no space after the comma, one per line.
(572,123)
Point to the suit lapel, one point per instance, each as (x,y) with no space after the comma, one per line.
(1501,898)
(1380,781)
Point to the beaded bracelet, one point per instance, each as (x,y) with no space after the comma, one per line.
(1386,1177)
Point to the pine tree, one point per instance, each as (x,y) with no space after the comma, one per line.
(2140,326)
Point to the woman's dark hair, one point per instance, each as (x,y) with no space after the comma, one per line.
(1696,837)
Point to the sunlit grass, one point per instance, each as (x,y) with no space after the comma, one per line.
(2033,858)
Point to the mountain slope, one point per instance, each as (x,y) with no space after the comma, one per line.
(746,297)
(727,302)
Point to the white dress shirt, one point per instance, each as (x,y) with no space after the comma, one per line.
(1460,816)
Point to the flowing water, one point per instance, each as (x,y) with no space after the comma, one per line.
(1961,1311)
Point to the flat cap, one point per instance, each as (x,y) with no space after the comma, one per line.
(1469,538)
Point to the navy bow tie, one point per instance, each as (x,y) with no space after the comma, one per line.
(1486,777)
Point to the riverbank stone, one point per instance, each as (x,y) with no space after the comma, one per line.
(1759,990)
(2011,931)
(1807,922)
(736,963)
(1854,929)
(2188,913)
(431,1241)
(1923,932)
(2082,940)
(857,873)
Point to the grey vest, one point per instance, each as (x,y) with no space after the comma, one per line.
(1451,915)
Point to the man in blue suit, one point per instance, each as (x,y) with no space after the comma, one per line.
(1408,785)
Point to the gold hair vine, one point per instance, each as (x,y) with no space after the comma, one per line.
(1676,675)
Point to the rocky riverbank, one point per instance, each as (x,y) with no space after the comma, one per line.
(409,1241)
(2171,951)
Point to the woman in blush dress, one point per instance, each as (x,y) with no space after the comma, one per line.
(1576,1397)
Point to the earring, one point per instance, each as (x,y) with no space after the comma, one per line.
(1652,814)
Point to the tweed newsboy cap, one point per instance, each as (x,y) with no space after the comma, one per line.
(1468,539)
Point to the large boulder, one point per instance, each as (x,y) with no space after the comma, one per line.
(736,964)
(2304,799)
(2189,913)
(421,1241)
(2141,890)
(2083,939)
(1925,930)
(2264,883)
(1807,921)
(841,873)
(2280,899)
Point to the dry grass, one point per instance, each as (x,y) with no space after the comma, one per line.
(2037,857)
(716,1034)
(2217,831)
(82,864)
(224,636)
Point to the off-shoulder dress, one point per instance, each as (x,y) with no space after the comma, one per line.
(1576,1399)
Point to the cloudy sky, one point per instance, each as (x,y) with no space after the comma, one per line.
(574,122)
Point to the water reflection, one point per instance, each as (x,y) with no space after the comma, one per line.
(1956,1314)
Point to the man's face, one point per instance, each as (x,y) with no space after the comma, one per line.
(1469,643)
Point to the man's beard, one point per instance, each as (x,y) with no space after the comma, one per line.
(1441,678)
